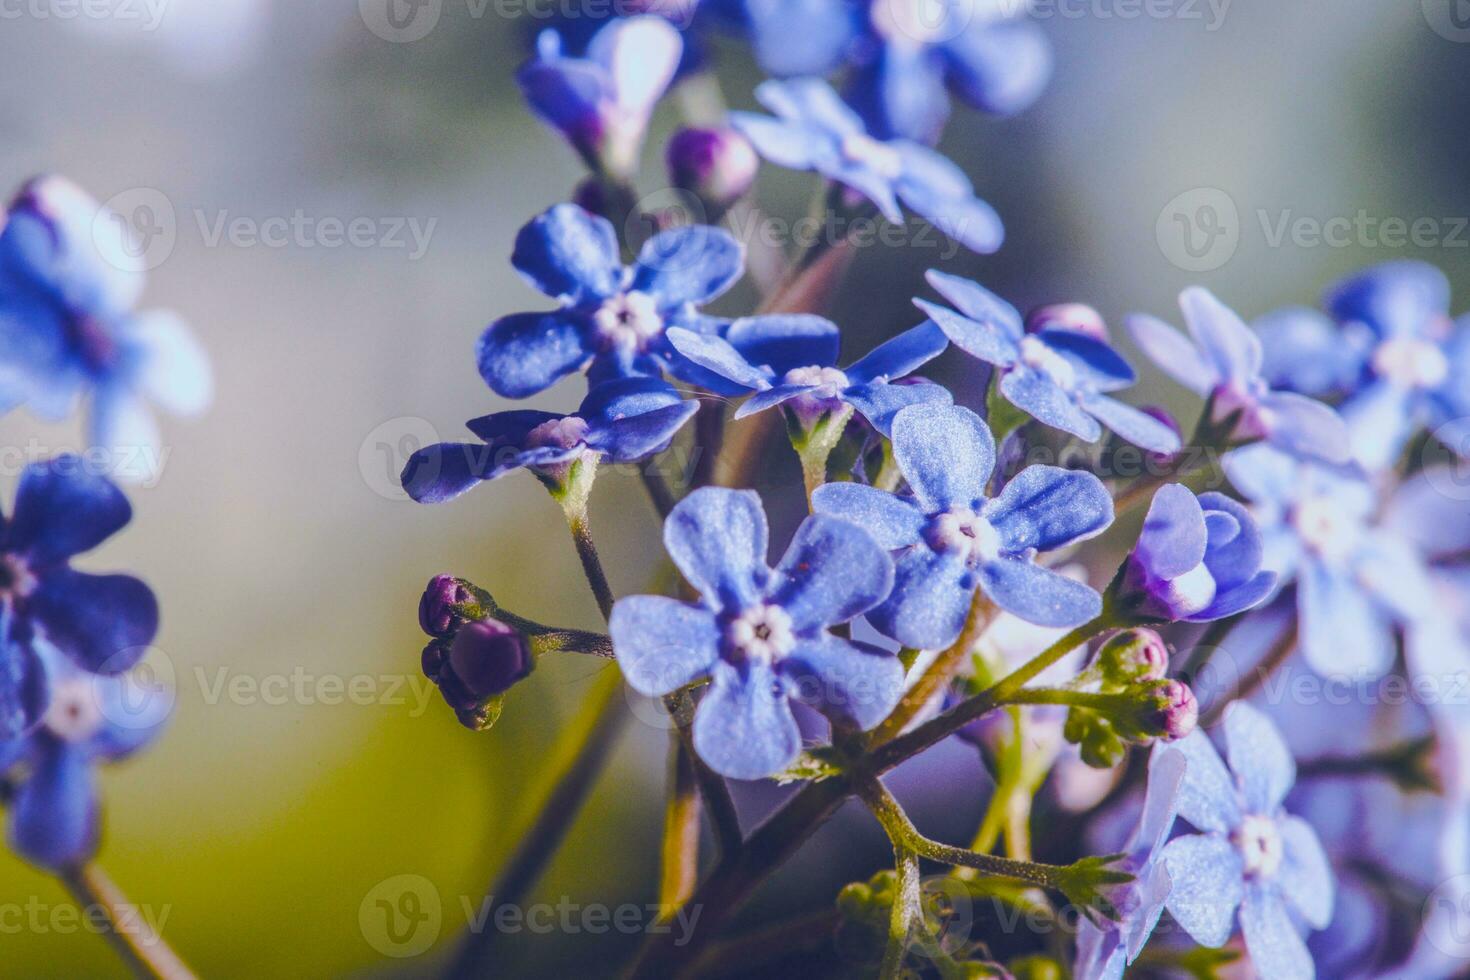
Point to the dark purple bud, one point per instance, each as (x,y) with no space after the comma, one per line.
(1132,656)
(716,165)
(1076,317)
(488,658)
(1177,710)
(435,656)
(441,610)
(591,196)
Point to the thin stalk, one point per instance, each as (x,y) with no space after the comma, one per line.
(720,805)
(1258,675)
(576,762)
(681,830)
(940,672)
(905,915)
(591,563)
(737,956)
(659,494)
(709,436)
(136,942)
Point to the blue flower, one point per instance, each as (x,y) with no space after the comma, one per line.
(790,38)
(1198,559)
(1251,854)
(1104,950)
(625,420)
(948,539)
(1355,581)
(1224,364)
(790,360)
(1054,374)
(613,317)
(815,130)
(70,277)
(54,816)
(24,691)
(602,102)
(1393,350)
(914,49)
(760,634)
(103,622)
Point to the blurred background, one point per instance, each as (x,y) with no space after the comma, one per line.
(309,764)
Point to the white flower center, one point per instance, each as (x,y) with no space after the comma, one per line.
(1258,840)
(965,532)
(829,379)
(1323,527)
(15,577)
(629,320)
(561,433)
(762,633)
(1036,355)
(1409,362)
(1192,591)
(74,714)
(864,151)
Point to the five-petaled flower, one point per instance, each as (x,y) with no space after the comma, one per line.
(1251,854)
(791,360)
(1105,949)
(759,635)
(624,421)
(1198,559)
(1355,581)
(1056,374)
(54,816)
(815,130)
(102,622)
(602,102)
(949,540)
(70,277)
(1224,365)
(613,317)
(1389,346)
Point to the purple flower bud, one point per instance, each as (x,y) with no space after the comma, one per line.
(1132,656)
(1177,711)
(488,658)
(434,657)
(441,608)
(716,165)
(1077,317)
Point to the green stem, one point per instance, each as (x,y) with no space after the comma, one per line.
(577,760)
(940,672)
(135,941)
(591,563)
(906,915)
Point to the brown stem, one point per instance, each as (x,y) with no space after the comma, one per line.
(137,942)
(940,672)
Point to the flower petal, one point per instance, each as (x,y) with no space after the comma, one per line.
(967,219)
(978,303)
(1306,427)
(1232,348)
(1041,397)
(881,403)
(1208,797)
(785,144)
(931,598)
(24,691)
(783,341)
(439,473)
(1172,352)
(1206,871)
(1039,595)
(1047,507)
(1098,366)
(1132,425)
(893,522)
(102,622)
(1174,538)
(1380,420)
(744,728)
(1306,352)
(1344,635)
(1396,299)
(1259,758)
(812,101)
(719,539)
(1306,873)
(1000,68)
(662,644)
(692,264)
(54,817)
(641,55)
(832,571)
(525,353)
(853,682)
(717,355)
(636,437)
(61,510)
(124,425)
(901,356)
(987,340)
(570,255)
(175,371)
(1276,948)
(946,453)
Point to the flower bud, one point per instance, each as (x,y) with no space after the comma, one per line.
(1176,710)
(488,658)
(443,608)
(716,165)
(1075,317)
(1132,656)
